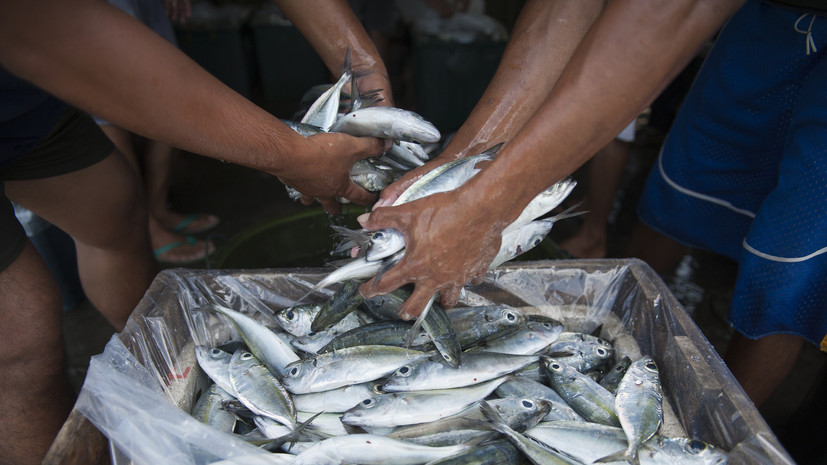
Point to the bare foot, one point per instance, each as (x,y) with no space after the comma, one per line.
(177,249)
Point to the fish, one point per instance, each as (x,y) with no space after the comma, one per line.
(343,367)
(478,324)
(519,414)
(296,320)
(536,452)
(387,333)
(336,400)
(590,441)
(369,449)
(499,452)
(387,123)
(408,408)
(477,367)
(612,378)
(437,324)
(543,203)
(208,409)
(344,301)
(522,387)
(589,399)
(216,364)
(259,390)
(531,339)
(324,111)
(265,344)
(639,406)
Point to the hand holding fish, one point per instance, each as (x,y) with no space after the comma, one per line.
(432,263)
(323,173)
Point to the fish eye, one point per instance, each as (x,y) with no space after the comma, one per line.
(404,371)
(215,351)
(377,235)
(536,241)
(311,334)
(650,366)
(377,388)
(447,357)
(510,316)
(527,403)
(246,356)
(601,352)
(368,403)
(547,325)
(619,368)
(294,371)
(696,446)
(290,314)
(555,366)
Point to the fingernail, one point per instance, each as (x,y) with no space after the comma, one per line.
(379,203)
(363,217)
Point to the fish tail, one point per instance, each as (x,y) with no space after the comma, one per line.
(567,213)
(620,456)
(414,331)
(495,421)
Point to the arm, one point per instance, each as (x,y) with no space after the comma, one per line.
(626,58)
(543,40)
(107,63)
(331,27)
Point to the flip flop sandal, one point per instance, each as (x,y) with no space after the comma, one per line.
(182,227)
(189,240)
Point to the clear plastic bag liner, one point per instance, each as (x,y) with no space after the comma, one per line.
(140,389)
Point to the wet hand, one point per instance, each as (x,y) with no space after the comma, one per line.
(449,242)
(321,170)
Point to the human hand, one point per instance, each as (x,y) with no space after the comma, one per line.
(320,169)
(450,239)
(178,10)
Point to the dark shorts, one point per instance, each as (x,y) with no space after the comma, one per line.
(743,172)
(74,143)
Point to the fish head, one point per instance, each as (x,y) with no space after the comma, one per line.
(558,370)
(384,243)
(505,317)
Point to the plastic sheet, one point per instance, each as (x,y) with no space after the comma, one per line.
(138,392)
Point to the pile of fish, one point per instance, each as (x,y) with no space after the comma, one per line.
(334,383)
(356,113)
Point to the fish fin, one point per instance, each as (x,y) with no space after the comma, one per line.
(414,331)
(619,456)
(347,62)
(493,149)
(567,213)
(495,421)
(292,437)
(350,238)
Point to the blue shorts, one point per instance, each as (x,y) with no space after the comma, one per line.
(743,172)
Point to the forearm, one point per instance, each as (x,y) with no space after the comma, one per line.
(625,60)
(542,42)
(76,50)
(331,27)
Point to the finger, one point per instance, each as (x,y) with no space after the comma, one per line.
(367,147)
(359,195)
(450,296)
(387,282)
(416,303)
(305,200)
(331,206)
(476,281)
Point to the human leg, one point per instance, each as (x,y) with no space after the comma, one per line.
(101,207)
(35,395)
(605,170)
(760,365)
(157,176)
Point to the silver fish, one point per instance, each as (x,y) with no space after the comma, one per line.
(408,408)
(208,409)
(216,364)
(536,452)
(591,400)
(259,390)
(519,414)
(324,111)
(499,452)
(387,123)
(531,339)
(522,387)
(335,400)
(639,406)
(588,442)
(266,345)
(340,368)
(543,203)
(612,378)
(369,449)
(475,368)
(296,320)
